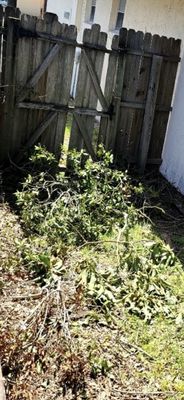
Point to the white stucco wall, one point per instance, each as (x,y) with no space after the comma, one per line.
(105,16)
(166,17)
(32,7)
(103,13)
(73,7)
(60,7)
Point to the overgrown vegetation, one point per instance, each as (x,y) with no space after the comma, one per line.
(109,290)
(78,206)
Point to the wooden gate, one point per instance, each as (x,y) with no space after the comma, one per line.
(133,109)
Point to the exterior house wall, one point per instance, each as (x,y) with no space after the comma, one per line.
(72,7)
(65,9)
(79,9)
(103,12)
(165,17)
(105,16)
(32,7)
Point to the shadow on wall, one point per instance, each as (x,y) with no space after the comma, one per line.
(172,167)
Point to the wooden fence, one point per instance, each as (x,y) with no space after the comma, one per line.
(37,65)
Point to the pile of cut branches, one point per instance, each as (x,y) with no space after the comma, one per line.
(90,261)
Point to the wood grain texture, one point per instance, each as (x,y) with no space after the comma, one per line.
(1,42)
(37,73)
(36,134)
(165,95)
(95,81)
(8,73)
(106,131)
(130,119)
(149,112)
(88,87)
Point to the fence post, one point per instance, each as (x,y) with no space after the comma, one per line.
(10,20)
(149,112)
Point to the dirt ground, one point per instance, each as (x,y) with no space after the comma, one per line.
(21,299)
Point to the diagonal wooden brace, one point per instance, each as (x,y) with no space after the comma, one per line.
(84,132)
(95,81)
(39,72)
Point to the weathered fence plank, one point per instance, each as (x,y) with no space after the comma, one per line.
(1,41)
(37,134)
(149,112)
(86,94)
(1,65)
(85,135)
(106,129)
(129,121)
(112,128)
(37,66)
(11,16)
(95,80)
(23,69)
(156,48)
(65,70)
(164,98)
(39,72)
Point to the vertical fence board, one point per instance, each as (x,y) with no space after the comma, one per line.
(39,94)
(90,99)
(63,83)
(113,126)
(129,121)
(1,42)
(127,88)
(98,60)
(1,62)
(136,42)
(86,95)
(9,13)
(165,94)
(23,70)
(6,138)
(106,130)
(149,111)
(76,140)
(141,95)
(47,84)
(39,51)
